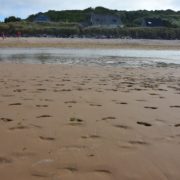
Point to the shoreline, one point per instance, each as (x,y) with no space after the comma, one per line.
(90,43)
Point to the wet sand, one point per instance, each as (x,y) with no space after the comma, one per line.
(90,43)
(61,122)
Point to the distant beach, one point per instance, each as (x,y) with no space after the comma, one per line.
(90,43)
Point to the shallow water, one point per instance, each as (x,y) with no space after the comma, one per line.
(103,57)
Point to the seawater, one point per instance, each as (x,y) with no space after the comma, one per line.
(102,57)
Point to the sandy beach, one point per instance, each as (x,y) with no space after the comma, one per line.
(61,122)
(90,43)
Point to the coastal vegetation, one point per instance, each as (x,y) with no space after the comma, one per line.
(75,23)
(129,18)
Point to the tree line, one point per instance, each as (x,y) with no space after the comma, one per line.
(74,30)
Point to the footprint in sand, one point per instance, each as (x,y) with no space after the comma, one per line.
(121,126)
(19,90)
(47,100)
(70,102)
(75,124)
(92,136)
(41,174)
(177,125)
(23,154)
(153,94)
(114,90)
(124,103)
(6,119)
(175,106)
(79,89)
(137,89)
(15,104)
(47,138)
(97,90)
(119,102)
(103,171)
(60,84)
(141,100)
(139,142)
(66,80)
(27,99)
(162,89)
(150,107)
(71,172)
(102,84)
(75,121)
(160,122)
(21,127)
(44,116)
(68,169)
(73,148)
(42,105)
(41,89)
(39,84)
(5,160)
(96,105)
(91,155)
(144,123)
(36,126)
(65,90)
(56,90)
(108,118)
(7,95)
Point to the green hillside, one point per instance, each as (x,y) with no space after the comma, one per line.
(129,18)
(76,23)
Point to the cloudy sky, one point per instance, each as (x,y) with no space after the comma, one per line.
(23,8)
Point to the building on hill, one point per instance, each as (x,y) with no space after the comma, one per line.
(153,22)
(41,18)
(110,21)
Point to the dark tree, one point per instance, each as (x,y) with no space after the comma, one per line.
(12,19)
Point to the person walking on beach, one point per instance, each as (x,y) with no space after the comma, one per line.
(18,34)
(3,36)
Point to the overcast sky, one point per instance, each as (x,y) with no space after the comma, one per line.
(23,8)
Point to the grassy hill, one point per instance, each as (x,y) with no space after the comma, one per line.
(129,18)
(69,24)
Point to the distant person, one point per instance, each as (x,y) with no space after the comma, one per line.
(3,35)
(18,34)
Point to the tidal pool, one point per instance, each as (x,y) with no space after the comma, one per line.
(102,57)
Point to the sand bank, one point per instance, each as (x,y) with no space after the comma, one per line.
(90,43)
(69,122)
